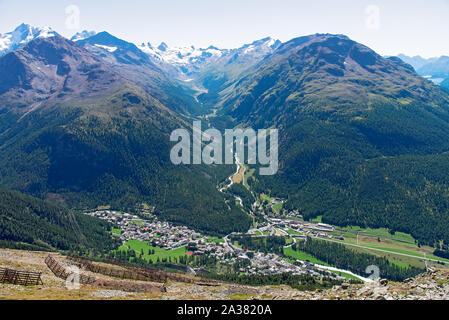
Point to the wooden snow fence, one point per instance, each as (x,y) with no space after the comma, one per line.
(63,272)
(139,273)
(23,278)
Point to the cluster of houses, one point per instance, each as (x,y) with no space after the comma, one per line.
(320,230)
(275,201)
(168,236)
(294,214)
(270,263)
(273,264)
(162,234)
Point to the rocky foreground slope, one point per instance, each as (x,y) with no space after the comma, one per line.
(433,284)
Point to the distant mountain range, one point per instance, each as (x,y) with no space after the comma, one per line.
(363,138)
(187,61)
(191,60)
(435,69)
(107,115)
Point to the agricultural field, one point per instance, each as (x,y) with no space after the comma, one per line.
(401,261)
(380,232)
(381,238)
(396,251)
(238,177)
(393,245)
(371,240)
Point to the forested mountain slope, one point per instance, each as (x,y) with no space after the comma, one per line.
(41,225)
(74,130)
(363,139)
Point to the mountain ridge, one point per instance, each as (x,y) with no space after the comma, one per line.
(114,139)
(347,117)
(363,138)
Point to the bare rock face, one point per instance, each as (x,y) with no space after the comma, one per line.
(345,285)
(383,282)
(52,68)
(432,285)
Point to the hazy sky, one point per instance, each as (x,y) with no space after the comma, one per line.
(387,26)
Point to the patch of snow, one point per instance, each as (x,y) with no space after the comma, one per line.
(82,35)
(249,49)
(107,48)
(271,42)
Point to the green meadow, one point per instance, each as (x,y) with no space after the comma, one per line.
(139,246)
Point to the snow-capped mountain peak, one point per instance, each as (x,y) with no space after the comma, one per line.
(191,59)
(180,56)
(22,35)
(82,35)
(263,45)
(162,47)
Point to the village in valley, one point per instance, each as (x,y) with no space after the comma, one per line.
(146,227)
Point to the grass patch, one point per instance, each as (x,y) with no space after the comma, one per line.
(139,246)
(381,232)
(235,243)
(138,222)
(301,255)
(116,231)
(265,197)
(214,239)
(277,207)
(248,174)
(346,275)
(240,296)
(291,231)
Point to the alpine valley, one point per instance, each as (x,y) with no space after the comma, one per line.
(85,126)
